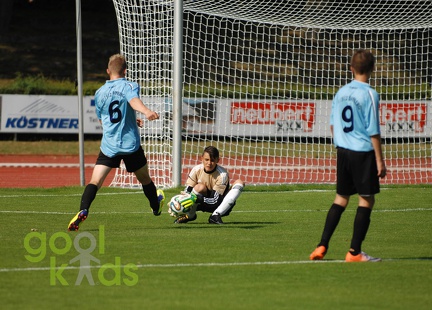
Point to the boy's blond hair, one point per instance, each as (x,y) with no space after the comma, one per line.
(117,64)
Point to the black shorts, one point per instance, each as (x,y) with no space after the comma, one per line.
(210,208)
(356,173)
(133,161)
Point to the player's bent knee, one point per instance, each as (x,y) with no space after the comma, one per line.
(200,188)
(238,186)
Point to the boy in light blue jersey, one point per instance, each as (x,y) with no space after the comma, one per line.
(116,105)
(356,108)
(118,118)
(354,123)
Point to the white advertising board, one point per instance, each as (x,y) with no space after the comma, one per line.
(46,114)
(272,118)
(311,118)
(207,116)
(59,114)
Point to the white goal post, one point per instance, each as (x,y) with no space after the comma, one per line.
(256,79)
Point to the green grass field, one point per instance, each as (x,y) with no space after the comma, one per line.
(257,260)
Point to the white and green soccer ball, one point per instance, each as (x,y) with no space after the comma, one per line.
(175,208)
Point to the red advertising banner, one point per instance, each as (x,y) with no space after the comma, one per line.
(403,117)
(266,113)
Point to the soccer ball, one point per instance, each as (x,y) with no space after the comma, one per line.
(175,208)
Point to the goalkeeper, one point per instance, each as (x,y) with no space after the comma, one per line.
(209,187)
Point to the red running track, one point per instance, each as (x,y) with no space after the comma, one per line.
(47,171)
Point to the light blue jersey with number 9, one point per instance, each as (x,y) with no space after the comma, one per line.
(355,116)
(120,130)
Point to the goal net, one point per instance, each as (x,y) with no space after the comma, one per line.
(259,77)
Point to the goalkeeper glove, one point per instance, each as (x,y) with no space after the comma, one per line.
(188,201)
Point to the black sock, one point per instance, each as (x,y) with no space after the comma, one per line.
(88,196)
(361,226)
(151,193)
(332,220)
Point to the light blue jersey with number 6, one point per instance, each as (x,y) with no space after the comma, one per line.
(355,116)
(120,130)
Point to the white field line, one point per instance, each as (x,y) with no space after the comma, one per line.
(43,165)
(229,167)
(139,192)
(233,211)
(140,212)
(210,264)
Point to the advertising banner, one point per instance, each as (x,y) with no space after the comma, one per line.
(209,116)
(272,118)
(278,118)
(46,114)
(59,114)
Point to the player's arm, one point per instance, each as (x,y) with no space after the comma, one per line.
(188,189)
(139,106)
(191,198)
(376,142)
(140,122)
(192,179)
(190,183)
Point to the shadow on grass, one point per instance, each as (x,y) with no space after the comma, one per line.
(241,225)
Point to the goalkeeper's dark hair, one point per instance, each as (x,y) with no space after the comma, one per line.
(212,151)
